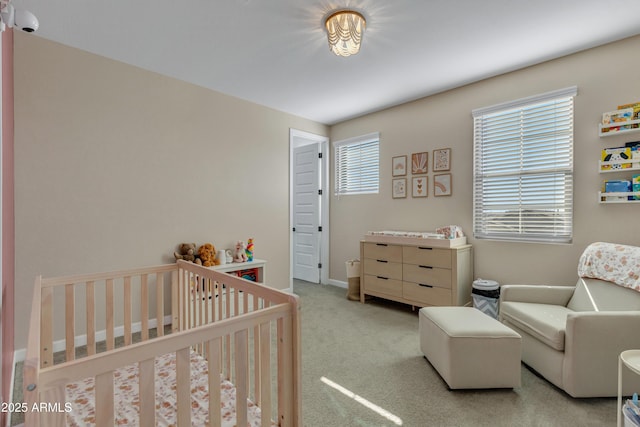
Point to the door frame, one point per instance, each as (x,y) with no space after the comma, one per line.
(298,138)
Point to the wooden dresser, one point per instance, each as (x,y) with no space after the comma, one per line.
(418,275)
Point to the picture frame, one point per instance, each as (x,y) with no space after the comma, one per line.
(420,163)
(399,188)
(420,186)
(442,184)
(442,159)
(399,166)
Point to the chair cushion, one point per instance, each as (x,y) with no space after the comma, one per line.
(546,322)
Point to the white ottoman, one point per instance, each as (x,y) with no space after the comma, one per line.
(470,349)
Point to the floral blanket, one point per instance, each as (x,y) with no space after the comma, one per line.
(126,403)
(619,264)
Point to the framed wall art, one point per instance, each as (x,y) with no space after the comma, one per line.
(442,159)
(420,163)
(399,166)
(399,188)
(420,186)
(442,184)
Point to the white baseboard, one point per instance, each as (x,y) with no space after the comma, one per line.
(81,340)
(338,283)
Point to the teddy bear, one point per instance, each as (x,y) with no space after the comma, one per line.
(186,251)
(240,255)
(207,255)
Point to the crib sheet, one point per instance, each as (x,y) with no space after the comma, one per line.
(81,395)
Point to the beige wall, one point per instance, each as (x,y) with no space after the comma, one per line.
(114,166)
(606,77)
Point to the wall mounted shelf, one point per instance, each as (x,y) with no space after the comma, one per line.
(603,197)
(635,165)
(610,132)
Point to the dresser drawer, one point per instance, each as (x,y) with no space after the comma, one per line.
(391,287)
(392,253)
(389,270)
(428,295)
(421,255)
(424,275)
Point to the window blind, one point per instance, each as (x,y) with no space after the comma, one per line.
(357,165)
(523,169)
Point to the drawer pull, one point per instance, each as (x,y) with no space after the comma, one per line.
(426,266)
(382,260)
(382,277)
(381,244)
(425,248)
(425,286)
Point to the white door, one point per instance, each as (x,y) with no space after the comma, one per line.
(306,213)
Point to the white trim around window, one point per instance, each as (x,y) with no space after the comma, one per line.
(523,169)
(357,165)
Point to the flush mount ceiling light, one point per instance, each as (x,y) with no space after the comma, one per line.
(344,31)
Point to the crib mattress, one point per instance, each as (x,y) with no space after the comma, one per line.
(126,403)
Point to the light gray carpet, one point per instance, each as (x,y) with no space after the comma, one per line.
(370,355)
(373,351)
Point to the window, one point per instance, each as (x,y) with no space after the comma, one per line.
(523,169)
(357,165)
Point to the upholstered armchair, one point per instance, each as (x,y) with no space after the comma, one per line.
(573,335)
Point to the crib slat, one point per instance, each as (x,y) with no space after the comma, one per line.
(160,304)
(265,373)
(104,400)
(257,357)
(176,304)
(127,310)
(241,353)
(226,315)
(146,387)
(285,371)
(183,386)
(184,295)
(221,293)
(175,301)
(236,304)
(208,299)
(197,299)
(91,320)
(46,328)
(109,313)
(144,307)
(189,301)
(213,350)
(69,322)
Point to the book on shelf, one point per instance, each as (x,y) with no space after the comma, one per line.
(635,106)
(617,186)
(611,119)
(617,154)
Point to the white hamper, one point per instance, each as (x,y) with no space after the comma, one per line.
(486,296)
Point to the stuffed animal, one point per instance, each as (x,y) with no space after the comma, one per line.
(240,255)
(207,255)
(249,250)
(186,251)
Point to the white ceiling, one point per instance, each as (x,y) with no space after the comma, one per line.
(275,52)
